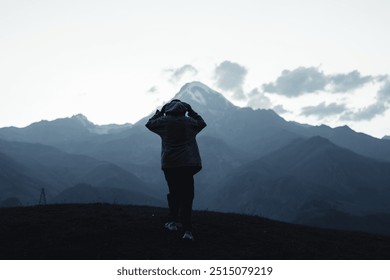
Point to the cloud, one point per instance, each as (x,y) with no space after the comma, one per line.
(230,76)
(323,110)
(366,113)
(381,78)
(152,90)
(258,100)
(178,73)
(239,94)
(378,108)
(304,80)
(297,82)
(384,92)
(280,109)
(348,82)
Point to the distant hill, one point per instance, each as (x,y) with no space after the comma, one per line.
(15,185)
(305,181)
(102,231)
(61,132)
(38,166)
(345,137)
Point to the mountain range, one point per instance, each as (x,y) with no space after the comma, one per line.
(307,181)
(254,162)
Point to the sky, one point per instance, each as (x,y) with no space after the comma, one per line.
(315,62)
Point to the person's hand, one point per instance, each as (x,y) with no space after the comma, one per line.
(163,108)
(188,106)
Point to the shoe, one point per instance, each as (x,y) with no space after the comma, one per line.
(188,236)
(171,226)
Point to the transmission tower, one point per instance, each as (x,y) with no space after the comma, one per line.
(42,198)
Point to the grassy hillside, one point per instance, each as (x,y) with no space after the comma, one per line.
(103,231)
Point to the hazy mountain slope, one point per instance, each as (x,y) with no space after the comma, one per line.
(140,149)
(218,159)
(63,132)
(345,137)
(306,178)
(15,184)
(58,170)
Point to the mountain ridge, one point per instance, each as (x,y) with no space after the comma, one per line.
(234,137)
(216,110)
(15,184)
(203,95)
(286,183)
(60,131)
(56,171)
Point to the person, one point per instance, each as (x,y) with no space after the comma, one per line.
(180,159)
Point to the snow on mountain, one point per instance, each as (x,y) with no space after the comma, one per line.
(194,92)
(198,94)
(82,120)
(98,129)
(61,130)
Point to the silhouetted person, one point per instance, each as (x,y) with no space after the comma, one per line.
(180,159)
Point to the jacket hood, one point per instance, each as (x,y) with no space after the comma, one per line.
(175,107)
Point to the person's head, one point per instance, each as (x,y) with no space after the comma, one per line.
(176,108)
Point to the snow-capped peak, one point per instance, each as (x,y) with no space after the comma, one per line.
(197,96)
(83,120)
(203,96)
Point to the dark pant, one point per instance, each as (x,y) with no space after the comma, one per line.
(181,193)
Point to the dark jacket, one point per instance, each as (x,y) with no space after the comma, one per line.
(178,132)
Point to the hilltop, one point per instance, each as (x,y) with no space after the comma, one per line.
(104,231)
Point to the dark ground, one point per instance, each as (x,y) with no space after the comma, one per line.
(102,231)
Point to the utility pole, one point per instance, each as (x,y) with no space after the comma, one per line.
(42,198)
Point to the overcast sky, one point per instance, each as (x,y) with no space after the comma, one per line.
(316,62)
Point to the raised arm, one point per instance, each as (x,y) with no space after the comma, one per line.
(154,123)
(200,123)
